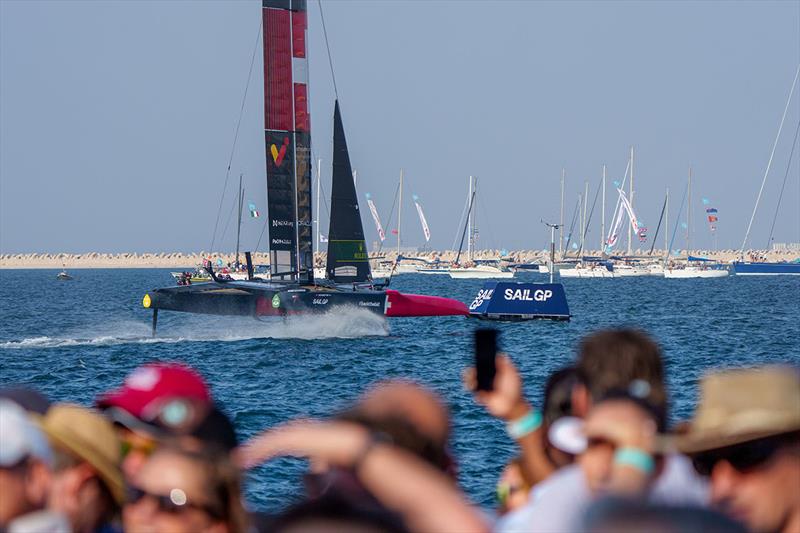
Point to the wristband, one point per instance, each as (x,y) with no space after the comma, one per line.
(635,458)
(524,426)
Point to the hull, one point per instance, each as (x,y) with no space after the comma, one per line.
(692,272)
(480,273)
(272,299)
(766,269)
(444,270)
(598,272)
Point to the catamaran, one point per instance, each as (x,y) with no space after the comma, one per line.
(292,287)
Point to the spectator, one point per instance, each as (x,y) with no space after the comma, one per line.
(745,435)
(512,487)
(608,361)
(155,399)
(25,462)
(29,399)
(179,491)
(87,484)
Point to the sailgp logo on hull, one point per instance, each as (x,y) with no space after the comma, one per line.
(483,294)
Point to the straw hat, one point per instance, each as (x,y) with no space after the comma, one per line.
(743,405)
(89,436)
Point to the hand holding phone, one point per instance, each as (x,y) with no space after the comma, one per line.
(485,354)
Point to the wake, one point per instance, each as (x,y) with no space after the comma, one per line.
(345,323)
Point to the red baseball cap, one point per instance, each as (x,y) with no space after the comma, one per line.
(153,384)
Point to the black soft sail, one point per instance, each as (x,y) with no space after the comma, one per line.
(287,132)
(348,260)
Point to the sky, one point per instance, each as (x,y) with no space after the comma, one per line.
(117,119)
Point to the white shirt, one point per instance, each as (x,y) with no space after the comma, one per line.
(557,504)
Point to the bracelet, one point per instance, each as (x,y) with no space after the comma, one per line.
(525,425)
(375,438)
(635,458)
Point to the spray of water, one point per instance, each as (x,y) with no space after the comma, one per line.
(344,323)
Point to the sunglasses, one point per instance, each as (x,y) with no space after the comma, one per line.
(742,457)
(141,445)
(175,502)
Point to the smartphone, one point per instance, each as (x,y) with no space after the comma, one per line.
(485,353)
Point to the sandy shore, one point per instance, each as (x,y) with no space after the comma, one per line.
(187,261)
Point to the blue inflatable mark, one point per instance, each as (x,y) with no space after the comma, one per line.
(499,300)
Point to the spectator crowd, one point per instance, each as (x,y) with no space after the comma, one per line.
(158,454)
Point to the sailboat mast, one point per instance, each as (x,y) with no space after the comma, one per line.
(630,195)
(399,211)
(666,227)
(561,219)
(585,221)
(689,216)
(469,222)
(239,223)
(319,197)
(603,223)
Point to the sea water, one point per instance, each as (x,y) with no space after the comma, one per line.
(75,339)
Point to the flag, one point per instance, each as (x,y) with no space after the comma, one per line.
(253,211)
(322,238)
(706,201)
(684,226)
(713,218)
(425,229)
(711,210)
(376,218)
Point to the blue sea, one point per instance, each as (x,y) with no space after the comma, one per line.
(73,340)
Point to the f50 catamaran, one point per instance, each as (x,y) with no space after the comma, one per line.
(292,288)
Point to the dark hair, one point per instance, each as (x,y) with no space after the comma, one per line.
(403,434)
(558,394)
(336,509)
(614,359)
(656,412)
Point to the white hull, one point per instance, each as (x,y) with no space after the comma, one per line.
(433,271)
(578,272)
(627,271)
(693,272)
(480,272)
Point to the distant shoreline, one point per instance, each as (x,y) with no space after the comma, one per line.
(187,261)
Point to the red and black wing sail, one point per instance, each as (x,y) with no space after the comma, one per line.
(287,133)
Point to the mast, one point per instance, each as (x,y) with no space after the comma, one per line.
(469,221)
(689,215)
(399,211)
(769,163)
(585,220)
(319,198)
(287,136)
(239,223)
(561,219)
(630,195)
(603,223)
(666,227)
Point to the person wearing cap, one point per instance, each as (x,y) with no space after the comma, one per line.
(87,483)
(25,460)
(745,435)
(155,399)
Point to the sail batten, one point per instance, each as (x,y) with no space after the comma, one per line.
(348,260)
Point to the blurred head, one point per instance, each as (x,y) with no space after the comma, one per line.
(558,404)
(618,360)
(29,399)
(156,400)
(512,487)
(602,432)
(411,415)
(185,491)
(746,436)
(25,461)
(331,513)
(87,484)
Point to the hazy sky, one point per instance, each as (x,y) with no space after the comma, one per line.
(117,118)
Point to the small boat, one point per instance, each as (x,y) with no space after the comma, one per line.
(695,272)
(63,276)
(589,270)
(481,270)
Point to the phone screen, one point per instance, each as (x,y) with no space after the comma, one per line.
(485,353)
